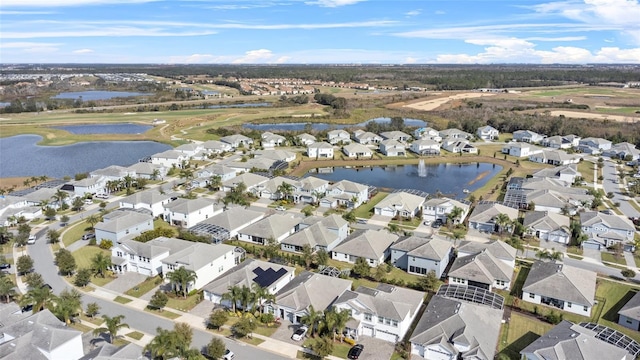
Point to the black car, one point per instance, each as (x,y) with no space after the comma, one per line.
(355,351)
(5,266)
(436,224)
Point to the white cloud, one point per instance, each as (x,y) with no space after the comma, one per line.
(83,51)
(61,3)
(410,60)
(22,45)
(439,12)
(22,12)
(255,57)
(413,12)
(103,32)
(333,3)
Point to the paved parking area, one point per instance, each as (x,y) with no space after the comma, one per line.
(592,254)
(375,348)
(125,282)
(284,332)
(203,309)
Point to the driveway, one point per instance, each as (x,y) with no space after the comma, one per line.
(592,254)
(203,309)
(375,348)
(125,282)
(284,332)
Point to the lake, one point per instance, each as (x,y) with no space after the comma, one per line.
(449,179)
(300,126)
(97,95)
(126,128)
(21,156)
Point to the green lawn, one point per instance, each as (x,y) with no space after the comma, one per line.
(266,330)
(94,320)
(616,295)
(159,223)
(366,210)
(163,313)
(609,257)
(84,255)
(586,169)
(122,300)
(135,335)
(519,332)
(182,304)
(74,232)
(144,287)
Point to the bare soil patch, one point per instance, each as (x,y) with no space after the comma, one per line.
(432,104)
(578,114)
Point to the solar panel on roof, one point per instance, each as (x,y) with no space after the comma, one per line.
(264,278)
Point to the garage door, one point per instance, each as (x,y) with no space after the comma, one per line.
(367,331)
(144,271)
(591,246)
(386,336)
(387,212)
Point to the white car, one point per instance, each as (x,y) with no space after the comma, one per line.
(32,240)
(299,333)
(88,201)
(281,208)
(228,355)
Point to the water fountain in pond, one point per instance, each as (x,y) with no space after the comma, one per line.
(422,169)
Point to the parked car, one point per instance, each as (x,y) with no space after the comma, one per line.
(228,355)
(88,201)
(427,222)
(436,224)
(362,221)
(281,208)
(88,236)
(299,333)
(355,351)
(5,266)
(31,240)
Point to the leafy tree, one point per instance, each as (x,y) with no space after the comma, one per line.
(66,262)
(312,319)
(93,219)
(307,255)
(100,263)
(50,213)
(159,300)
(243,327)
(40,297)
(217,319)
(64,219)
(216,348)
(7,289)
(180,280)
(33,280)
(350,216)
(77,204)
(361,267)
(322,346)
(393,228)
(111,326)
(83,277)
(322,257)
(628,273)
(24,264)
(92,309)
(380,271)
(68,305)
(53,236)
(428,282)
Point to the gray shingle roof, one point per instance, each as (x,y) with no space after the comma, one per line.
(544,220)
(632,308)
(243,275)
(401,201)
(369,244)
(387,301)
(560,281)
(484,213)
(272,226)
(590,218)
(233,218)
(151,196)
(197,255)
(188,206)
(482,267)
(570,341)
(448,321)
(497,248)
(314,235)
(436,248)
(122,220)
(311,289)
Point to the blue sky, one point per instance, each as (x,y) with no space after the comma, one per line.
(320,31)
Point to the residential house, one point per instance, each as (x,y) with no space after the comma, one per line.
(400,204)
(216,147)
(310,189)
(89,186)
(272,228)
(346,193)
(372,245)
(276,155)
(564,173)
(487,133)
(113,172)
(366,137)
(112,352)
(519,149)
(456,134)
(528,136)
(594,146)
(560,285)
(270,140)
(481,269)
(169,159)
(121,224)
(272,188)
(207,261)
(417,255)
(547,194)
(425,147)
(499,249)
(357,151)
(440,208)
(320,150)
(144,258)
(392,147)
(560,142)
(384,313)
(323,234)
(455,329)
(629,315)
(237,141)
(306,139)
(548,226)
(250,180)
(205,175)
(227,224)
(11,206)
(249,165)
(554,157)
(427,134)
(483,217)
(612,229)
(338,137)
(304,291)
(190,149)
(623,151)
(146,170)
(41,195)
(151,200)
(37,336)
(249,273)
(458,146)
(396,135)
(188,212)
(567,340)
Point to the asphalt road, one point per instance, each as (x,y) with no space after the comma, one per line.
(610,184)
(42,257)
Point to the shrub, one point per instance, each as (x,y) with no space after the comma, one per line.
(628,273)
(553,317)
(106,244)
(92,241)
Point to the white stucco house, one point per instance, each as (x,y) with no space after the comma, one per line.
(276,227)
(425,147)
(528,136)
(320,150)
(391,147)
(520,149)
(418,255)
(151,200)
(169,158)
(440,208)
(346,193)
(122,223)
(338,137)
(306,139)
(548,226)
(373,245)
(208,261)
(188,212)
(487,133)
(399,203)
(357,151)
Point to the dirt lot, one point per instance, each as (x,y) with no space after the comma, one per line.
(578,114)
(433,104)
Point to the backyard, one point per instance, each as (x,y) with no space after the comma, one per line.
(83,258)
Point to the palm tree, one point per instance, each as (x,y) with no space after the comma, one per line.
(163,345)
(26,182)
(100,263)
(307,255)
(455,214)
(233,295)
(155,174)
(262,295)
(67,305)
(215,182)
(111,327)
(60,196)
(40,297)
(312,319)
(335,320)
(93,219)
(285,190)
(43,178)
(502,220)
(7,288)
(181,278)
(247,298)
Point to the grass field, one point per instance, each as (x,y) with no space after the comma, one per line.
(84,255)
(519,332)
(609,257)
(365,210)
(164,313)
(144,287)
(74,232)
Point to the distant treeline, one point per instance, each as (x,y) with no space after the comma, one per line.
(441,77)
